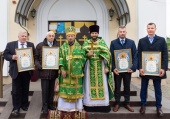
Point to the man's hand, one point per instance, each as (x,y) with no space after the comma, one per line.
(162,72)
(141,71)
(63,73)
(90,53)
(14,57)
(116,71)
(106,70)
(130,71)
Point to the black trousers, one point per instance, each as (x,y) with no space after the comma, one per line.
(20,90)
(126,82)
(47,86)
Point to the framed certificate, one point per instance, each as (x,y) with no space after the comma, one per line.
(151,63)
(25,59)
(50,57)
(123,59)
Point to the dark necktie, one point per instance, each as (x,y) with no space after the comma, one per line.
(22,45)
(122,42)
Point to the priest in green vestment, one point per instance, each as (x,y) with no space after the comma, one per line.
(71,63)
(98,81)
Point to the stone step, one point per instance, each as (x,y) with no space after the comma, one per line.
(121,114)
(135,101)
(132,93)
(125,114)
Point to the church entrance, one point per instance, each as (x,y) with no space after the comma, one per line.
(52,13)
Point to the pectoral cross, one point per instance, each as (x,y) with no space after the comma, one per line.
(94,55)
(92,45)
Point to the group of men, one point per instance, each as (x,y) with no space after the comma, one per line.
(85,73)
(151,43)
(85,76)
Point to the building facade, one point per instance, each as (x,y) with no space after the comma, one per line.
(135,14)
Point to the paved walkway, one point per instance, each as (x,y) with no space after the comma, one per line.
(165,90)
(36,86)
(135,81)
(165,86)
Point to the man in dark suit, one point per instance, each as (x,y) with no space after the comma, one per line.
(20,80)
(152,42)
(47,76)
(123,43)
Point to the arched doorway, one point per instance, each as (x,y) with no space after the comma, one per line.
(72,10)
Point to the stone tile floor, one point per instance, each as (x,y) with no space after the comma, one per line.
(165,86)
(165,90)
(135,81)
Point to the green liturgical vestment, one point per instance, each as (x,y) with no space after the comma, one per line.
(96,83)
(71,59)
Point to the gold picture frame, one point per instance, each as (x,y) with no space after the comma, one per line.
(25,61)
(151,62)
(50,57)
(123,59)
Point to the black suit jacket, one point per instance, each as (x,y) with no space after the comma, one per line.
(129,44)
(159,44)
(9,51)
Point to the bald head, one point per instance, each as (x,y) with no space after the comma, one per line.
(51,33)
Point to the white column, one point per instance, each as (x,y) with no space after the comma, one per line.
(4,30)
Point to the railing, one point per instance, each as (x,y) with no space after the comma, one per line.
(1,74)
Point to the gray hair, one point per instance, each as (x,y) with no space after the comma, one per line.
(122,26)
(22,32)
(50,32)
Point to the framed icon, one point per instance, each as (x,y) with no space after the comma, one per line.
(25,60)
(123,59)
(151,63)
(50,57)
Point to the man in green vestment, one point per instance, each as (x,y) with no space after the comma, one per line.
(71,62)
(98,82)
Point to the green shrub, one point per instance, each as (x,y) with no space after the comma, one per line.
(168,43)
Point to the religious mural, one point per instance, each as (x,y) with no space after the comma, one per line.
(82,29)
